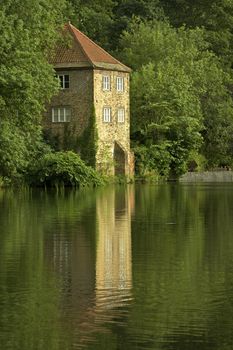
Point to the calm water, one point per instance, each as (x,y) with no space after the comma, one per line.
(119,268)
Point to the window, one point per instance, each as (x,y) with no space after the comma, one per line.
(120,84)
(64,81)
(106,82)
(121,115)
(61,114)
(107,114)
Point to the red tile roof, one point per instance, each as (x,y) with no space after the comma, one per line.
(83,52)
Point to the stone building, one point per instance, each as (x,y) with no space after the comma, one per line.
(94,94)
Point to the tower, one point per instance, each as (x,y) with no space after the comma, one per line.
(91,113)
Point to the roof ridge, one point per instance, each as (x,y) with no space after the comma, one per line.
(76,39)
(99,47)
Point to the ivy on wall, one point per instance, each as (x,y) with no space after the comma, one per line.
(85,144)
(88,141)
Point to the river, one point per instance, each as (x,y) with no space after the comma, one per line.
(117,268)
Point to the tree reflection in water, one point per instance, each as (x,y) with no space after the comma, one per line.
(67,280)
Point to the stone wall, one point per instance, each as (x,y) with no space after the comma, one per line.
(208,176)
(112,132)
(79,97)
(86,92)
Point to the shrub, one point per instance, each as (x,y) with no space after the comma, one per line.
(152,160)
(196,162)
(62,169)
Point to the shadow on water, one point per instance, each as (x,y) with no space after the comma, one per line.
(134,267)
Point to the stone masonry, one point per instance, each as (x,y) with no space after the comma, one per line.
(87,65)
(114,132)
(79,97)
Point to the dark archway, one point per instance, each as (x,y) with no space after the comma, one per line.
(119,159)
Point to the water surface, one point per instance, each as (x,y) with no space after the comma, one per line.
(117,268)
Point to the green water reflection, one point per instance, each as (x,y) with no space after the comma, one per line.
(135,267)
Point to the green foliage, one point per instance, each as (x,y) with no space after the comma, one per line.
(94,18)
(213,15)
(87,143)
(12,150)
(218,145)
(178,88)
(152,160)
(17,149)
(105,20)
(187,80)
(125,12)
(28,31)
(181,96)
(62,169)
(196,162)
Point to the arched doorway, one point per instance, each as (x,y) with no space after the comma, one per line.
(119,159)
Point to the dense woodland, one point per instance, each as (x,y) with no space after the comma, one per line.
(181,53)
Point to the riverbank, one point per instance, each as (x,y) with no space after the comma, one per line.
(208,176)
(195,177)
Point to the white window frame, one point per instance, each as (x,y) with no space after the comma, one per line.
(63,114)
(107,114)
(120,84)
(63,81)
(106,83)
(121,115)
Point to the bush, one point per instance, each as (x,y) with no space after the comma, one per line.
(152,160)
(196,162)
(168,160)
(62,169)
(13,151)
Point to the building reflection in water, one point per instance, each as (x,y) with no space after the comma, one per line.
(113,259)
(96,278)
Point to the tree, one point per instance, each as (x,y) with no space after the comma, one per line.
(126,10)
(105,20)
(216,16)
(94,18)
(28,31)
(178,86)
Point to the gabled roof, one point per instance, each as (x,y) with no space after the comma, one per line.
(83,52)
